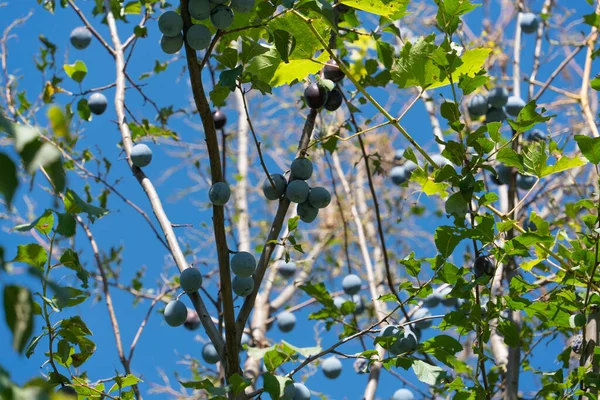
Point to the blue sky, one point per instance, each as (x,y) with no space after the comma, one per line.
(161,347)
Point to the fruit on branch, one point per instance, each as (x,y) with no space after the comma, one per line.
(529,22)
(301,393)
(209,354)
(398,154)
(359,304)
(286,321)
(406,342)
(140,155)
(577,343)
(80,38)
(483,266)
(332,367)
(192,322)
(307,212)
(495,115)
(198,37)
(398,175)
(577,321)
(497,97)
(297,191)
(68,392)
(525,182)
(332,71)
(221,17)
(432,300)
(274,193)
(199,9)
(175,313)
(514,105)
(319,197)
(243,264)
(301,168)
(334,100)
(477,106)
(286,269)
(338,301)
(190,280)
(242,6)
(351,284)
(97,103)
(219,193)
(421,313)
(171,45)
(535,135)
(315,96)
(403,394)
(504,175)
(219,118)
(170,23)
(242,286)
(288,391)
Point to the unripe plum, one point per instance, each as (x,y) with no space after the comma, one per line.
(495,115)
(319,197)
(170,23)
(422,313)
(497,97)
(140,155)
(302,392)
(219,193)
(242,6)
(171,45)
(334,100)
(289,391)
(529,22)
(431,300)
(315,96)
(286,321)
(190,280)
(286,269)
(221,17)
(403,394)
(514,105)
(209,354)
(398,154)
(407,342)
(332,367)
(297,191)
(504,174)
(80,38)
(242,286)
(280,186)
(477,106)
(192,322)
(97,103)
(307,212)
(219,118)
(351,284)
(198,37)
(243,264)
(359,304)
(525,182)
(338,301)
(199,9)
(398,175)
(535,135)
(175,313)
(332,71)
(301,168)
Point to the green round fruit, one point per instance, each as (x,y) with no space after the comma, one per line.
(80,38)
(301,168)
(199,9)
(221,17)
(97,103)
(243,264)
(279,190)
(242,286)
(307,212)
(198,37)
(170,23)
(319,197)
(190,280)
(351,284)
(209,354)
(171,45)
(242,6)
(297,191)
(175,313)
(140,155)
(219,193)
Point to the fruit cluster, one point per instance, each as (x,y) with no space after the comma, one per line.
(309,200)
(402,171)
(176,313)
(496,106)
(324,93)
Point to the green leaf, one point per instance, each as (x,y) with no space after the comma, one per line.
(70,260)
(392,9)
(450,11)
(285,43)
(229,78)
(59,122)
(275,385)
(76,71)
(446,239)
(563,164)
(18,311)
(590,147)
(237,384)
(83,110)
(75,205)
(32,254)
(529,117)
(122,382)
(595,83)
(508,329)
(32,345)
(304,351)
(44,224)
(427,373)
(509,157)
(133,7)
(66,225)
(306,42)
(8,178)
(318,292)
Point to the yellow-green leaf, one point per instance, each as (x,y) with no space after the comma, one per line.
(472,60)
(297,70)
(76,71)
(393,9)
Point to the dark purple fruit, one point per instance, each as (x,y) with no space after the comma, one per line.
(334,100)
(220,119)
(483,266)
(332,72)
(315,96)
